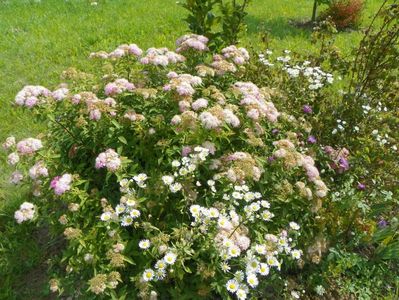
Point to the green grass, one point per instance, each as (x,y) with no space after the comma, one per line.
(41,39)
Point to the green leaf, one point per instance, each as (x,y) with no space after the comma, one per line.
(122,139)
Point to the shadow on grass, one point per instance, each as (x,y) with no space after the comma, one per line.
(279,28)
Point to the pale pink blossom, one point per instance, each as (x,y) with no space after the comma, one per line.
(29,146)
(61,184)
(108,159)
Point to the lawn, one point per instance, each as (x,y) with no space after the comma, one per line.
(40,39)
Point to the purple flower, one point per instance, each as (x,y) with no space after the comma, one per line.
(270,159)
(382,223)
(307,109)
(361,186)
(343,164)
(312,139)
(275,131)
(186,151)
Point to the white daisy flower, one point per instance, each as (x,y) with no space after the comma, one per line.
(160,264)
(232,285)
(234,251)
(170,258)
(252,280)
(106,216)
(127,220)
(175,187)
(148,275)
(294,226)
(213,213)
(241,294)
(296,254)
(167,179)
(120,208)
(263,269)
(144,244)
(176,164)
(135,213)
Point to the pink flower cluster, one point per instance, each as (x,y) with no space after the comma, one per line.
(61,184)
(120,51)
(109,159)
(118,87)
(192,41)
(16,177)
(239,56)
(255,104)
(199,104)
(212,121)
(228,60)
(209,121)
(26,212)
(183,84)
(10,142)
(221,66)
(29,146)
(60,94)
(286,150)
(38,170)
(13,158)
(161,57)
(32,95)
(95,106)
(133,116)
(230,118)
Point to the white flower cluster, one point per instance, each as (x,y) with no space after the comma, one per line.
(235,246)
(340,126)
(126,211)
(254,208)
(232,243)
(140,180)
(192,41)
(187,165)
(383,139)
(265,61)
(316,77)
(26,212)
(160,267)
(259,260)
(31,95)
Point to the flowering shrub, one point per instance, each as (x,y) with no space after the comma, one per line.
(344,13)
(169,172)
(179,174)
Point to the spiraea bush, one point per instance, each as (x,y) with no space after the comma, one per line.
(168,176)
